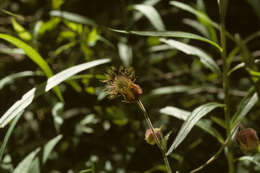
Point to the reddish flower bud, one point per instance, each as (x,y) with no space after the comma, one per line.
(149,137)
(247,140)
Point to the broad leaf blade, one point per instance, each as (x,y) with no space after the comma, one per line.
(33,55)
(49,147)
(25,164)
(191,50)
(27,98)
(195,116)
(153,16)
(173,34)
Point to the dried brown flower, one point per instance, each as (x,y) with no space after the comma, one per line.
(120,82)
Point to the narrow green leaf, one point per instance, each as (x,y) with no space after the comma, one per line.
(173,34)
(28,97)
(73,17)
(8,134)
(12,77)
(22,33)
(194,11)
(25,164)
(198,26)
(184,115)
(195,116)
(244,107)
(33,55)
(49,147)
(191,50)
(152,15)
(171,90)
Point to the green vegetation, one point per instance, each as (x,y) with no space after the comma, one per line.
(184,75)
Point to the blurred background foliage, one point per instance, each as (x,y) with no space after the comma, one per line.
(100,135)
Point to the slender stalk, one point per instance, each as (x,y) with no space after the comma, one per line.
(157,140)
(225,79)
(215,156)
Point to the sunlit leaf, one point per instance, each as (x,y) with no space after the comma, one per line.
(22,33)
(245,106)
(12,77)
(27,98)
(191,50)
(73,17)
(190,9)
(33,55)
(183,115)
(151,13)
(195,116)
(25,164)
(49,147)
(173,34)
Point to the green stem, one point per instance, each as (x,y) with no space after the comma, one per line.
(158,142)
(225,79)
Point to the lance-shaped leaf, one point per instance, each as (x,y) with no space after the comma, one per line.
(33,55)
(153,16)
(173,34)
(183,115)
(195,116)
(25,164)
(27,98)
(205,59)
(245,106)
(73,17)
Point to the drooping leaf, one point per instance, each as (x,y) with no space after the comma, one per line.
(198,26)
(33,55)
(153,16)
(173,34)
(195,116)
(205,59)
(183,115)
(245,106)
(25,164)
(27,98)
(12,77)
(49,147)
(73,17)
(8,134)
(198,13)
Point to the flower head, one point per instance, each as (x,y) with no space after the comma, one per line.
(120,82)
(247,140)
(149,137)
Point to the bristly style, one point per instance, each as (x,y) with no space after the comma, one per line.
(120,82)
